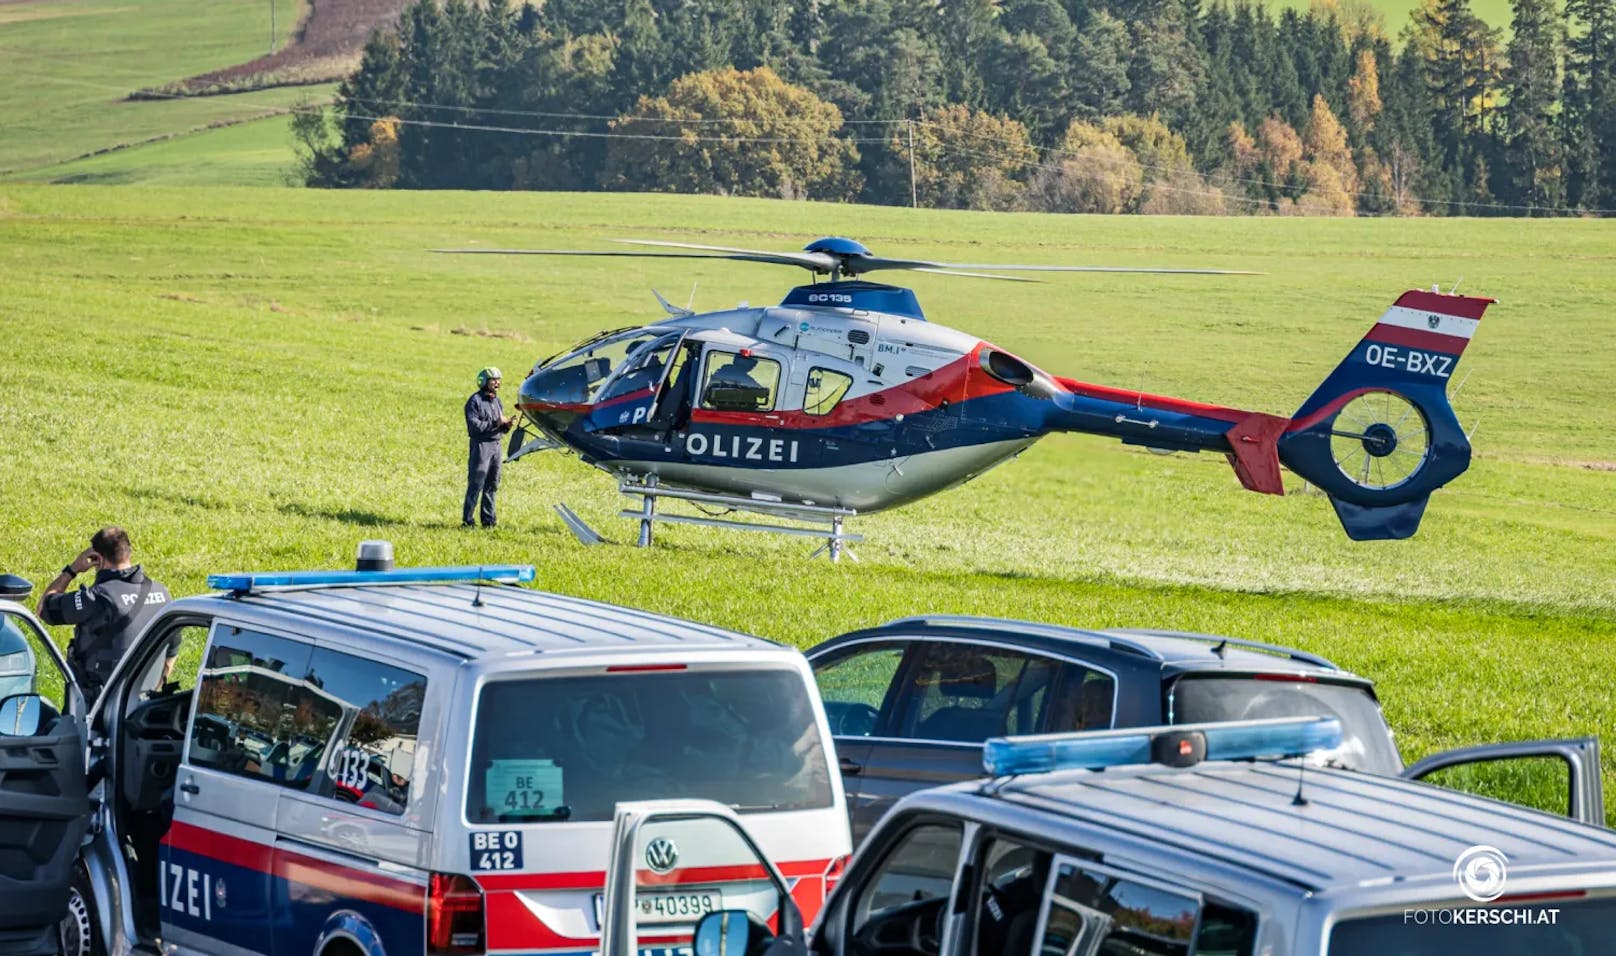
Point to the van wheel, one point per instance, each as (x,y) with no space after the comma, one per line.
(78,930)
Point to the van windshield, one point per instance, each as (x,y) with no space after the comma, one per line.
(568,748)
(1366,742)
(1570,926)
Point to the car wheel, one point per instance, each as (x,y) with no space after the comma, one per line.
(79,936)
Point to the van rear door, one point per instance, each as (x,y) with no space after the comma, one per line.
(554,751)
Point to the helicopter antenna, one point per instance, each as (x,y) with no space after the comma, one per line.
(1455,287)
(691,305)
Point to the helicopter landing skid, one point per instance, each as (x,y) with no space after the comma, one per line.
(810,521)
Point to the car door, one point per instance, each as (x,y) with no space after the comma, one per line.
(950,696)
(857,683)
(44,801)
(1556,776)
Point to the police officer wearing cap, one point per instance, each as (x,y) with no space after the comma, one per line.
(486,421)
(106,616)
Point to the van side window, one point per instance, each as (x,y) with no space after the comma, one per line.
(247,719)
(825,391)
(1091,910)
(373,753)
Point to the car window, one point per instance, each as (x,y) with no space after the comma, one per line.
(1093,911)
(373,754)
(26,667)
(1366,741)
(825,390)
(855,687)
(1011,892)
(968,693)
(1083,701)
(739,382)
(919,867)
(250,717)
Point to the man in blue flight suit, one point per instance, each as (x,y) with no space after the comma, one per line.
(486,421)
(106,616)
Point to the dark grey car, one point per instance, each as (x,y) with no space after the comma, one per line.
(911,701)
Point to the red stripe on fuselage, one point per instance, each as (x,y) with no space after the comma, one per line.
(959,379)
(1164,403)
(1463,306)
(1417,339)
(344,882)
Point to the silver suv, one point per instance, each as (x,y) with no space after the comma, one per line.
(1171,841)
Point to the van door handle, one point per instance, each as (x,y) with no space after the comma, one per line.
(190,788)
(849,768)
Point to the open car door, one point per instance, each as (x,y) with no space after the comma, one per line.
(44,798)
(687,874)
(1556,776)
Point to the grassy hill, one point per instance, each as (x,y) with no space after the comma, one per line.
(70,63)
(260,378)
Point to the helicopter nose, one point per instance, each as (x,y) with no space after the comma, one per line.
(554,398)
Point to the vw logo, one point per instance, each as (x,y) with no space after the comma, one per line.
(1433,320)
(661,854)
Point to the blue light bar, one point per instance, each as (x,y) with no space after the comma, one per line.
(1097,750)
(258,580)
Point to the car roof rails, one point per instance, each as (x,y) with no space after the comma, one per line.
(1276,649)
(251,582)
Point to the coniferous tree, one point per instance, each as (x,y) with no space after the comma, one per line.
(1533,145)
(1591,102)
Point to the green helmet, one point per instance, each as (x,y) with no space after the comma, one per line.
(485,374)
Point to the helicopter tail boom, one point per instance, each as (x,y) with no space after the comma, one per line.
(1377,436)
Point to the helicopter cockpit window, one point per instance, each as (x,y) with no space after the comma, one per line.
(825,391)
(643,368)
(739,382)
(575,377)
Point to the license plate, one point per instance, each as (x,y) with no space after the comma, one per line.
(654,907)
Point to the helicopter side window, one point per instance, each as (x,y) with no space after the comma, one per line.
(826,389)
(740,382)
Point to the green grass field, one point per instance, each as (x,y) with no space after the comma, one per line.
(70,63)
(260,378)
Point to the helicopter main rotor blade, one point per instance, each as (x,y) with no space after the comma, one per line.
(814,261)
(805,261)
(970,275)
(963,268)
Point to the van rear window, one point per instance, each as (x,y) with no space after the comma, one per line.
(553,749)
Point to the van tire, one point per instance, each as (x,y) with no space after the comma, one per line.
(80,933)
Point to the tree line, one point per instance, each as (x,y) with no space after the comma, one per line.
(1167,106)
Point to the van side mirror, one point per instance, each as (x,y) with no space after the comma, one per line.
(20,715)
(731,933)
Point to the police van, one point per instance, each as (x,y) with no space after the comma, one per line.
(425,761)
(1213,840)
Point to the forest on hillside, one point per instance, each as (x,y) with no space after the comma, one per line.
(1157,106)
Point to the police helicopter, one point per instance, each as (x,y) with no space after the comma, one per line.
(844,399)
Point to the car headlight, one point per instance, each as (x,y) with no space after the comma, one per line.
(17,663)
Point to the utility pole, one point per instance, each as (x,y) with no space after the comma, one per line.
(914,195)
(272,26)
